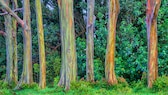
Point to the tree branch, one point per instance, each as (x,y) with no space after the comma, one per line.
(19,20)
(56,47)
(16,10)
(2,33)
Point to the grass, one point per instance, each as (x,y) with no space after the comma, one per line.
(98,88)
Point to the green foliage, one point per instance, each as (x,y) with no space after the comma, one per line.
(138,85)
(6,92)
(30,86)
(98,69)
(81,56)
(2,58)
(86,88)
(36,68)
(131,44)
(53,68)
(81,60)
(5,85)
(161,83)
(163,38)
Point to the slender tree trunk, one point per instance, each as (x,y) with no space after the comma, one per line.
(9,47)
(90,42)
(110,52)
(27,41)
(151,20)
(27,74)
(41,44)
(19,20)
(69,65)
(14,31)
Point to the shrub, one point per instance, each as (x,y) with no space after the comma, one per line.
(53,67)
(30,86)
(161,83)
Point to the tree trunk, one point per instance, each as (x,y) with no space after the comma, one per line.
(27,74)
(41,45)
(27,41)
(110,52)
(9,47)
(151,21)
(90,42)
(69,65)
(14,32)
(19,20)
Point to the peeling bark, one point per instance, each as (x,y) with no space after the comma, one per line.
(151,21)
(9,47)
(14,31)
(27,74)
(69,65)
(90,42)
(114,9)
(19,20)
(41,45)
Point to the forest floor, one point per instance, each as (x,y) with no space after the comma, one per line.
(85,88)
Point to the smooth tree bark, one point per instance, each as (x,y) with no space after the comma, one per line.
(41,44)
(27,41)
(19,20)
(27,75)
(14,32)
(90,42)
(11,28)
(9,47)
(114,9)
(151,21)
(69,64)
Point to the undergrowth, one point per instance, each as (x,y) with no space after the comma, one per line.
(82,87)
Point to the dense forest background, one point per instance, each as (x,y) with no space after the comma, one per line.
(131,40)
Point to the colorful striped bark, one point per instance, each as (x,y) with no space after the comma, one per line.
(110,52)
(9,47)
(14,31)
(41,44)
(90,42)
(69,65)
(27,74)
(27,41)
(151,21)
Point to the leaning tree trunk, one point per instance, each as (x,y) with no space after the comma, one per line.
(110,52)
(9,47)
(69,65)
(14,30)
(41,45)
(151,20)
(90,43)
(27,76)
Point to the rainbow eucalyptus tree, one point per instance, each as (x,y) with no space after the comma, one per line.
(27,75)
(41,44)
(14,31)
(114,9)
(151,21)
(11,43)
(9,46)
(90,43)
(68,53)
